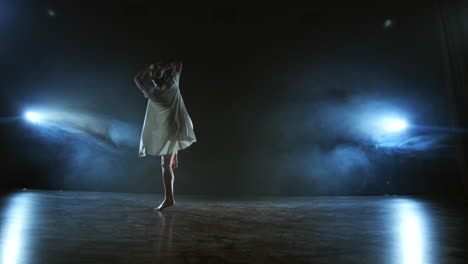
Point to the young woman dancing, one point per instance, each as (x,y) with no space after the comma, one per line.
(167,127)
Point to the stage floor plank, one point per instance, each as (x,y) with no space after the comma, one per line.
(96,227)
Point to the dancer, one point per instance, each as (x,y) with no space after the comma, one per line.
(167,127)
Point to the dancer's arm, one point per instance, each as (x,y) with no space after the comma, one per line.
(178,67)
(145,89)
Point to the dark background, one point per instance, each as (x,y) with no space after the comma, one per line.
(277,96)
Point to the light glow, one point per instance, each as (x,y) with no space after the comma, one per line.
(395,125)
(14,229)
(33,117)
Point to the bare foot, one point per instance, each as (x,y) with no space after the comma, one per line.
(164,204)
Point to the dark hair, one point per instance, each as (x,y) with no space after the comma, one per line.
(161,79)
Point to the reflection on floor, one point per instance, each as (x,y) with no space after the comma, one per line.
(90,227)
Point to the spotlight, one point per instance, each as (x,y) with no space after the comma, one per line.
(33,117)
(394,125)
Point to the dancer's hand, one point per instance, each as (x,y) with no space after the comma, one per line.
(139,81)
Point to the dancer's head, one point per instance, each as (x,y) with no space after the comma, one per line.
(162,70)
(169,63)
(155,70)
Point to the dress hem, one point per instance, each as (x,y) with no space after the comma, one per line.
(145,153)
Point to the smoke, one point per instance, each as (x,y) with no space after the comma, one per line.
(361,120)
(108,131)
(94,152)
(337,146)
(340,168)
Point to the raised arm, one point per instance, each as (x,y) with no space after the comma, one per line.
(178,67)
(139,81)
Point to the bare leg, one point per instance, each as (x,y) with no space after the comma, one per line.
(168,179)
(175,162)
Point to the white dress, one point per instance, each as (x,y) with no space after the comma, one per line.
(167,127)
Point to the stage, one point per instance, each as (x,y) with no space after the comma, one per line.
(96,227)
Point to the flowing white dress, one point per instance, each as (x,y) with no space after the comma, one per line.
(167,127)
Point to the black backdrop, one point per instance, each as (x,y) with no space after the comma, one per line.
(273,93)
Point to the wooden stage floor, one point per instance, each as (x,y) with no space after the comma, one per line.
(96,227)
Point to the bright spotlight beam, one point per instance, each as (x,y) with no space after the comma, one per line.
(33,117)
(395,125)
